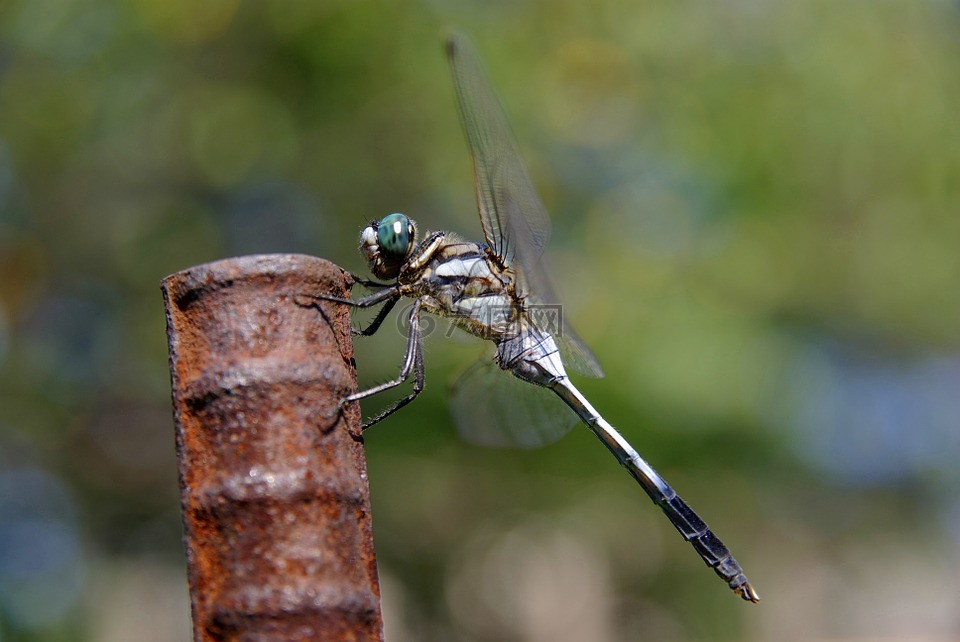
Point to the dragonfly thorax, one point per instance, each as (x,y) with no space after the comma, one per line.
(387,243)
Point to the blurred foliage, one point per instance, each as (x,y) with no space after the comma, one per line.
(755,211)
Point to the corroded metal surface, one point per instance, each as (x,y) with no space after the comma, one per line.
(273,480)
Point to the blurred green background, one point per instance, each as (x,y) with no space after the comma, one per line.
(755,228)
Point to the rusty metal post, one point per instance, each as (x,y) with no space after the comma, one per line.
(273,480)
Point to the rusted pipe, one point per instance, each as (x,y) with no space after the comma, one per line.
(273,481)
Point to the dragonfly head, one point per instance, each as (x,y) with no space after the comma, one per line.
(387,243)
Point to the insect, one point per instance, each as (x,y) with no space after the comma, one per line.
(499,291)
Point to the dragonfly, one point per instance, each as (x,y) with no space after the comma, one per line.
(499,291)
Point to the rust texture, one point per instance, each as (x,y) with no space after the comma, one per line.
(274,494)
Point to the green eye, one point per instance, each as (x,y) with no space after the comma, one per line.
(393,234)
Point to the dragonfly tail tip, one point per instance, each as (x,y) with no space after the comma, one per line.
(748,593)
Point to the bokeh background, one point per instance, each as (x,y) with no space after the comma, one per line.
(756,228)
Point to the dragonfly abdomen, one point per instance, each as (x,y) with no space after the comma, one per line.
(713,551)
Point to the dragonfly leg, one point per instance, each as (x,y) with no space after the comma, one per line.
(392,292)
(418,382)
(412,363)
(390,295)
(368,283)
(377,320)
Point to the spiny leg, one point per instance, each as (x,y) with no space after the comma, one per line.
(412,362)
(418,382)
(392,292)
(377,320)
(391,295)
(368,283)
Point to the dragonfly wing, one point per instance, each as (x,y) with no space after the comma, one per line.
(515,222)
(577,357)
(510,209)
(491,407)
(548,314)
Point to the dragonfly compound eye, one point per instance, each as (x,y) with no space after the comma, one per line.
(395,234)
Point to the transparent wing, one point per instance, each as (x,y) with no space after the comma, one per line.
(510,209)
(491,407)
(578,357)
(515,222)
(547,312)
